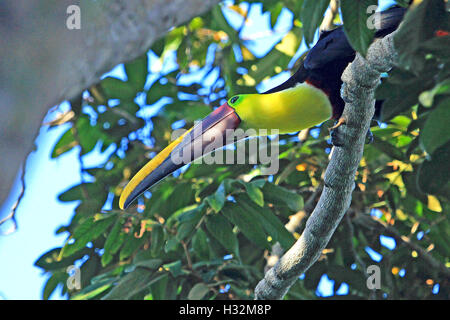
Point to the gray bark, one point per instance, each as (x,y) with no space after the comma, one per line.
(360,80)
(42,62)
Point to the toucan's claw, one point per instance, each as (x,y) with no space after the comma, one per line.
(336,138)
(338,141)
(338,123)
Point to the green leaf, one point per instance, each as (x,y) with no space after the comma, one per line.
(217,200)
(410,181)
(89,231)
(159,90)
(174,268)
(113,242)
(392,90)
(157,240)
(187,110)
(401,121)
(152,264)
(142,255)
(117,89)
(274,13)
(268,220)
(259,183)
(64,144)
(193,214)
(220,23)
(434,176)
(169,197)
(276,195)
(137,71)
(198,291)
(356,18)
(52,283)
(173,198)
(254,193)
(266,66)
(171,245)
(158,46)
(200,244)
(159,286)
(130,107)
(185,229)
(131,244)
(94,290)
(88,135)
(219,227)
(436,131)
(131,284)
(247,224)
(312,16)
(50,260)
(395,102)
(387,148)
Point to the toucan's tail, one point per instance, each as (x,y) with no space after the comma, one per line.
(333,46)
(388,21)
(325,62)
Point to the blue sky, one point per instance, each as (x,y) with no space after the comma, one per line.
(40,214)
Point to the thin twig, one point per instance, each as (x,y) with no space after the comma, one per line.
(188,256)
(12,215)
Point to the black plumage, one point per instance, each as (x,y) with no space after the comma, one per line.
(326,61)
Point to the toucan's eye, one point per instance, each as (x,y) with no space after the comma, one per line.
(234,99)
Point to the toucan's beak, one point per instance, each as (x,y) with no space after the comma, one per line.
(192,145)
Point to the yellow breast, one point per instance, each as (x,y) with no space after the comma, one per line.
(288,111)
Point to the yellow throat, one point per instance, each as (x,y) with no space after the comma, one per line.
(288,111)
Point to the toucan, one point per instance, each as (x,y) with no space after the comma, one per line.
(309,97)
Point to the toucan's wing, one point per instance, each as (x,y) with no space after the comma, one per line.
(325,62)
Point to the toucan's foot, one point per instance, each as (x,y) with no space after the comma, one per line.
(338,123)
(336,138)
(369,137)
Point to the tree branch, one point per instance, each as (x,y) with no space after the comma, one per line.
(12,214)
(360,80)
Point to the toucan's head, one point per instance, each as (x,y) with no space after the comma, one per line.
(286,111)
